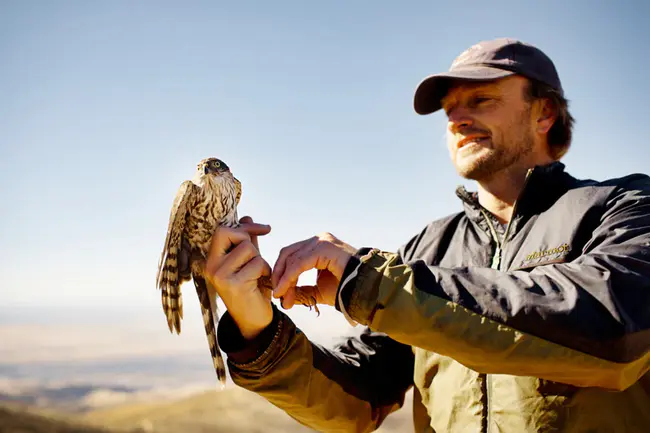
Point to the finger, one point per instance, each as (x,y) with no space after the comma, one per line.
(254,235)
(247,220)
(281,262)
(299,263)
(238,257)
(289,299)
(253,270)
(222,241)
(224,238)
(255,229)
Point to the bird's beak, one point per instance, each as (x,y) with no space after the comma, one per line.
(206,169)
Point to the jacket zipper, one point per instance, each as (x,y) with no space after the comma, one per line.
(496,264)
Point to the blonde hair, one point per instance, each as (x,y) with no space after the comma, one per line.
(561,133)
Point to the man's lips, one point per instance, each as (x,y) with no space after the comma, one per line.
(470,139)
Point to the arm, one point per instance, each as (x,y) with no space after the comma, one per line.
(352,388)
(585,323)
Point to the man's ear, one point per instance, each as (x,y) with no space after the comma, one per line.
(545,115)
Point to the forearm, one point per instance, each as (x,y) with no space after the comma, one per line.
(473,317)
(324,389)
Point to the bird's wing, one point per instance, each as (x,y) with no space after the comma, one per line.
(238,189)
(167,277)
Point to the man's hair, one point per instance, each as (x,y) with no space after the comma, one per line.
(559,136)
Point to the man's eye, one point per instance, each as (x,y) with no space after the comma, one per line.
(481,99)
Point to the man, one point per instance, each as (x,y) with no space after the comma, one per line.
(528,311)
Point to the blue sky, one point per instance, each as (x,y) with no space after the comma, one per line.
(106,107)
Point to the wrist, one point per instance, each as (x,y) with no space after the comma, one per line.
(242,352)
(251,325)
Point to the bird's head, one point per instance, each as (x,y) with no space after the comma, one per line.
(211,167)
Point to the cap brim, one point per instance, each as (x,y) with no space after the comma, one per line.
(433,88)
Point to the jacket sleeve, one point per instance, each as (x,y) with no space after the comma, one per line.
(351,388)
(584,322)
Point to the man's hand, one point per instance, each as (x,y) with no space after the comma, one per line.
(323,252)
(233,267)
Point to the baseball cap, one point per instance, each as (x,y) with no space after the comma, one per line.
(484,61)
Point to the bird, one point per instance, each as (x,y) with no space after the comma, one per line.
(202,204)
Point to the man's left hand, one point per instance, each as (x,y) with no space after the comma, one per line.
(323,252)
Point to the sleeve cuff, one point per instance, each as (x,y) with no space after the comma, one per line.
(241,351)
(357,284)
(348,274)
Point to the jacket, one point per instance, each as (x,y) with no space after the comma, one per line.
(542,325)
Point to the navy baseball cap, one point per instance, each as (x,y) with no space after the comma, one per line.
(485,61)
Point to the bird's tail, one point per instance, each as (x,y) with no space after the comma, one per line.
(169,283)
(210,321)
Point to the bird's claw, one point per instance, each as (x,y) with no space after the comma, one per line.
(311,303)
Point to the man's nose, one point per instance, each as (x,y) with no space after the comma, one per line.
(459,118)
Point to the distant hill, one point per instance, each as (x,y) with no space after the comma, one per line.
(14,419)
(61,399)
(232,410)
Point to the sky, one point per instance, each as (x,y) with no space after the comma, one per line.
(107,106)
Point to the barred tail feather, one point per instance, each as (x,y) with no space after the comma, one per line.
(171,297)
(172,300)
(172,303)
(210,320)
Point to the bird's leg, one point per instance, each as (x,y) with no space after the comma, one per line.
(302,297)
(306,299)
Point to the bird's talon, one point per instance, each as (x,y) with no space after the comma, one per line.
(315,306)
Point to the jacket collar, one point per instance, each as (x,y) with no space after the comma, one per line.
(544,185)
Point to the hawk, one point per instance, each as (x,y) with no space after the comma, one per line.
(201,205)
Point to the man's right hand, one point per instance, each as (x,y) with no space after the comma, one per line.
(233,267)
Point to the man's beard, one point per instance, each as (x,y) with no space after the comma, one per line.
(512,147)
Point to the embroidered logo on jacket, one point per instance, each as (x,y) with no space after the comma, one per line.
(550,255)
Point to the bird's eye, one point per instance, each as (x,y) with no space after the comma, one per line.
(216,163)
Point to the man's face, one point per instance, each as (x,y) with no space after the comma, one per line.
(490,126)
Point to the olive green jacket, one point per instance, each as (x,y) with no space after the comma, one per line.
(543,325)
